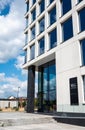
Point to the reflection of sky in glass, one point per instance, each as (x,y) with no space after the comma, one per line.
(41,46)
(53,38)
(52,77)
(52,95)
(83,51)
(33,1)
(32,49)
(33,33)
(81,19)
(42,5)
(42,24)
(84,85)
(67,24)
(51,1)
(45,79)
(33,14)
(52,15)
(49,78)
(65,8)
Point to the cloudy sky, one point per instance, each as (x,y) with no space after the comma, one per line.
(12,24)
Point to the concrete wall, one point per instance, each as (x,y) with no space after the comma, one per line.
(68,62)
(5,104)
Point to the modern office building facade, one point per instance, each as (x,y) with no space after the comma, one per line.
(55,48)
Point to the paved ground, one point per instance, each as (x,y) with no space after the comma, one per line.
(35,122)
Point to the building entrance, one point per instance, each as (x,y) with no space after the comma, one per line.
(47,87)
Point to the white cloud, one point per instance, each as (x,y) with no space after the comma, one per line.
(9,86)
(11,34)
(2,77)
(1,92)
(19,63)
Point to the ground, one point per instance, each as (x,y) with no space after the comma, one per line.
(25,121)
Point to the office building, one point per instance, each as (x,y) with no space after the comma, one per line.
(55,48)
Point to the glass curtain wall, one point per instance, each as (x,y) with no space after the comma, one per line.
(47,87)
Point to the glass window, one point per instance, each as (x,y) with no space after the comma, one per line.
(82,43)
(32,52)
(50,1)
(27,22)
(42,6)
(53,38)
(67,29)
(82,19)
(26,38)
(41,25)
(84,85)
(45,79)
(79,1)
(66,6)
(27,6)
(33,13)
(48,87)
(52,15)
(32,32)
(33,1)
(73,91)
(52,77)
(41,46)
(25,53)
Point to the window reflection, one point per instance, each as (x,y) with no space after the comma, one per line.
(81,19)
(82,43)
(52,15)
(32,52)
(32,32)
(42,6)
(41,25)
(65,33)
(65,8)
(41,46)
(48,87)
(53,38)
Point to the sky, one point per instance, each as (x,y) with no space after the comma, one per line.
(12,40)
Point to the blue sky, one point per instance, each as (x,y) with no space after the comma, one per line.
(12,24)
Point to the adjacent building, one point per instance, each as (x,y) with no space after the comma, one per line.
(55,48)
(10,102)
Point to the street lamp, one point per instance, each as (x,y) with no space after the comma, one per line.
(18,96)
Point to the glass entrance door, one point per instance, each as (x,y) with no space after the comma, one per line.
(48,86)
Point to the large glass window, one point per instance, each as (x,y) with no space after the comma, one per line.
(33,13)
(84,86)
(73,91)
(52,15)
(32,32)
(42,6)
(82,43)
(65,6)
(41,45)
(53,38)
(41,25)
(32,52)
(82,19)
(48,87)
(67,29)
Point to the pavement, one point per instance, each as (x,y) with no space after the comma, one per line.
(25,121)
